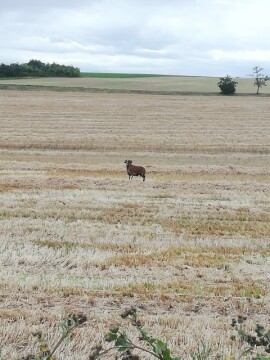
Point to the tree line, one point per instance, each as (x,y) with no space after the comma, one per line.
(37,68)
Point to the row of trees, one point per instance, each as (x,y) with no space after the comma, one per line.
(38,68)
(228,86)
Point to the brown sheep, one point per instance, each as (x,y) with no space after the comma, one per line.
(134,170)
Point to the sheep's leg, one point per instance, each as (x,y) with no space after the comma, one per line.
(143,176)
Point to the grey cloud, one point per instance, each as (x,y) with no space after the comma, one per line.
(173,36)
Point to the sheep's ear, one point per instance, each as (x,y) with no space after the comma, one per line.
(130,161)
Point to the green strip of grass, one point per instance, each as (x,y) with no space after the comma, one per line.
(116,75)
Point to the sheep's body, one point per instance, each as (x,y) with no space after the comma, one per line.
(133,170)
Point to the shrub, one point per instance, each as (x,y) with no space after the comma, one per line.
(227,85)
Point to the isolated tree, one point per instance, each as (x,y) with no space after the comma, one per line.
(260,79)
(227,85)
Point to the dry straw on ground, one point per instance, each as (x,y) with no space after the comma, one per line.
(189,247)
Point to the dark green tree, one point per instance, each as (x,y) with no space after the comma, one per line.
(259,79)
(227,85)
(37,68)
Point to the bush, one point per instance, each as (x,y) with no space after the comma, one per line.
(227,85)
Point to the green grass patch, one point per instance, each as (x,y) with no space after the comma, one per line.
(117,75)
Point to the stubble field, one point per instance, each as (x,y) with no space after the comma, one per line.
(189,247)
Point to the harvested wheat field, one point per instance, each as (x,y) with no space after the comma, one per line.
(189,247)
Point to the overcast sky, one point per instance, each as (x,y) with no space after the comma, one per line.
(177,37)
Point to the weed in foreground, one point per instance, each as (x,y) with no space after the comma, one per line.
(67,326)
(147,344)
(259,339)
(123,348)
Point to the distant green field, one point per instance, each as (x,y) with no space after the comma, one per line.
(116,75)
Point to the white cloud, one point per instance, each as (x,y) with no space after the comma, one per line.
(255,55)
(211,37)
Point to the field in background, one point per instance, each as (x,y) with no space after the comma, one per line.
(189,247)
(117,75)
(139,82)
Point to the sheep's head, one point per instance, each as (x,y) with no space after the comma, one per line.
(127,162)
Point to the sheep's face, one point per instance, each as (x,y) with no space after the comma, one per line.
(127,162)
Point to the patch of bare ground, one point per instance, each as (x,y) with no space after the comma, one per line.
(189,247)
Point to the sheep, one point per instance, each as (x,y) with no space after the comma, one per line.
(133,170)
